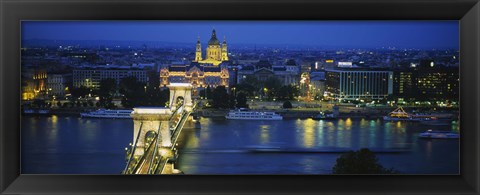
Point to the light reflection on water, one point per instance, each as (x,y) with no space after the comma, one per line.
(312,134)
(264,134)
(96,146)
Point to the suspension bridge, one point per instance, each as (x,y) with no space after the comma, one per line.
(155,133)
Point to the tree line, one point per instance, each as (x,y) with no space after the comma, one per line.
(131,92)
(270,89)
(250,87)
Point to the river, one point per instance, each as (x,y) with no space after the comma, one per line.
(73,145)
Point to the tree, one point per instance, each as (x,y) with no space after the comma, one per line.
(249,85)
(233,100)
(362,161)
(241,100)
(157,96)
(220,97)
(108,88)
(287,104)
(251,80)
(134,92)
(207,93)
(153,79)
(247,88)
(273,85)
(79,92)
(287,92)
(129,85)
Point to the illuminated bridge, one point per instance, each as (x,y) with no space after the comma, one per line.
(155,133)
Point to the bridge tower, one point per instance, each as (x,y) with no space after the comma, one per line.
(159,126)
(181,90)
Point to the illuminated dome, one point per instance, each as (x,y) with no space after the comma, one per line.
(214,40)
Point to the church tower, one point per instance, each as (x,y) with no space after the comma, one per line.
(213,48)
(224,50)
(198,51)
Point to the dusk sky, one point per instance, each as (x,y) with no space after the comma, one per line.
(361,34)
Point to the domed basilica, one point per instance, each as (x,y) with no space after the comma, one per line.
(216,52)
(201,73)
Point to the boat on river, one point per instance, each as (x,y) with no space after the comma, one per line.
(324,116)
(245,114)
(400,115)
(105,113)
(434,134)
(438,122)
(36,111)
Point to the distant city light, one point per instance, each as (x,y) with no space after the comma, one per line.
(345,64)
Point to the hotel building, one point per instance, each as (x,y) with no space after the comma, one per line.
(352,84)
(427,83)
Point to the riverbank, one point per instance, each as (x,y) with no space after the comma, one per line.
(303,113)
(298,112)
(285,113)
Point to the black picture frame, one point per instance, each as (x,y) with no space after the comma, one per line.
(14,11)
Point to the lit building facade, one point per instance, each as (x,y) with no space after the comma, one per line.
(403,84)
(28,87)
(35,85)
(199,75)
(216,53)
(57,84)
(427,82)
(91,78)
(352,84)
(262,70)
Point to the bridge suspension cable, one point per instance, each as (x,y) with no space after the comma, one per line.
(134,147)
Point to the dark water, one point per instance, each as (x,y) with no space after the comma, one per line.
(71,145)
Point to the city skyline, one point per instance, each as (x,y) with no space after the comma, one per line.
(202,108)
(322,34)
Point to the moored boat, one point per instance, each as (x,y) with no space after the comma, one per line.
(43,111)
(28,111)
(400,115)
(245,114)
(324,116)
(36,111)
(103,113)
